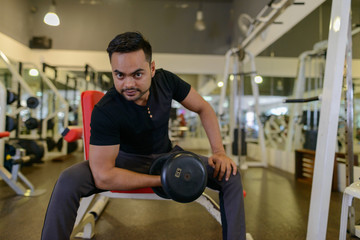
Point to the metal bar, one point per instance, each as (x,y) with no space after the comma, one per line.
(302,100)
(327,135)
(228,55)
(16,75)
(255,91)
(263,25)
(349,109)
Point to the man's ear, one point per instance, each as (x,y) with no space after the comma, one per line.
(152,68)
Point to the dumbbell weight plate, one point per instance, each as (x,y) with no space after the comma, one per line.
(31,123)
(184,177)
(155,169)
(32,102)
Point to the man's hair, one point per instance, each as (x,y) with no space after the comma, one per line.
(130,42)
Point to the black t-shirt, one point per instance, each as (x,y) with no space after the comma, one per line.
(138,129)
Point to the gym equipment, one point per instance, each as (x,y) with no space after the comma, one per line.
(72,146)
(349,193)
(306,77)
(31,123)
(23,187)
(183,176)
(32,102)
(309,118)
(10,123)
(72,133)
(60,106)
(18,78)
(33,148)
(348,211)
(50,143)
(11,97)
(235,112)
(330,108)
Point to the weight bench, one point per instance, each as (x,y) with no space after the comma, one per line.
(85,221)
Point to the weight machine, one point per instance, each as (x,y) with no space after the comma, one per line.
(312,79)
(339,46)
(15,179)
(252,28)
(235,114)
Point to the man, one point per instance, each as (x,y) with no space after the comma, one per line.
(129,130)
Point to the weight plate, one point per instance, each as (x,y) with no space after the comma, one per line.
(32,102)
(155,169)
(184,177)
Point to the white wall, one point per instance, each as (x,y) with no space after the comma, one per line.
(178,63)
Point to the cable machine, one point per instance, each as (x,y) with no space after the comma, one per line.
(330,108)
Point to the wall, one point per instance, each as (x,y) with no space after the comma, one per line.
(169,28)
(178,63)
(14,49)
(15,19)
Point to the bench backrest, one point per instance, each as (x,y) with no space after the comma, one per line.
(88,100)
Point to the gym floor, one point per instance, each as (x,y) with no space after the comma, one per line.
(276,208)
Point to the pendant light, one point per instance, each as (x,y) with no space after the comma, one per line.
(199,23)
(51,18)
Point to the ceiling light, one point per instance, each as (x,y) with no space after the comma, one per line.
(51,18)
(220,84)
(33,72)
(337,24)
(258,79)
(199,24)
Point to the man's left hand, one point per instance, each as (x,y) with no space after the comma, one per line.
(223,165)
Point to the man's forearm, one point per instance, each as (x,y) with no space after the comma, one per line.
(211,126)
(123,179)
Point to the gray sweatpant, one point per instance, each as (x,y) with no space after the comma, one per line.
(77,181)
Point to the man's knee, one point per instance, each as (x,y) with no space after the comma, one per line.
(234,183)
(74,177)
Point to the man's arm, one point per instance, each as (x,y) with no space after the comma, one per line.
(222,164)
(109,177)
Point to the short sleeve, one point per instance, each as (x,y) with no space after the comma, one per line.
(103,130)
(179,87)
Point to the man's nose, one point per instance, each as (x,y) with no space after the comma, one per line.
(129,82)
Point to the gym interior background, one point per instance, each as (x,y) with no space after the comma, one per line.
(273,143)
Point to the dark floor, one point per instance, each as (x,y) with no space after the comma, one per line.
(276,208)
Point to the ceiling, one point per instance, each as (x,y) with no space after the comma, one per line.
(169,24)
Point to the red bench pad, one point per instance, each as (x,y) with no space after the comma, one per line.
(72,133)
(4,134)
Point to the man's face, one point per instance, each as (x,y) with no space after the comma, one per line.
(132,75)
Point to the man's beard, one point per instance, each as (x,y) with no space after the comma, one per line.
(142,93)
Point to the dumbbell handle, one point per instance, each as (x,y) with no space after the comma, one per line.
(21,160)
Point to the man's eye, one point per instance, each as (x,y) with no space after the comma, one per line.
(119,75)
(138,75)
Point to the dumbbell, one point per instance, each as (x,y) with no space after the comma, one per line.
(31,123)
(11,97)
(10,123)
(183,176)
(32,102)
